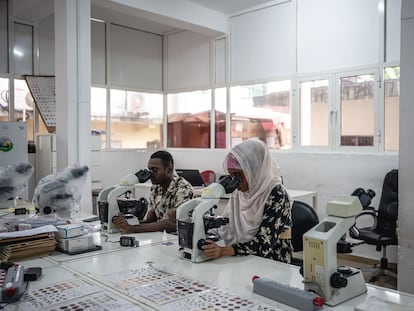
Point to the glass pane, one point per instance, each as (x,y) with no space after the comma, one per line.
(136,119)
(221,109)
(189,119)
(357,110)
(24,106)
(314,113)
(262,111)
(98,112)
(392,108)
(23,49)
(4,99)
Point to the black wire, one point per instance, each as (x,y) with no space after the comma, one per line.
(107,237)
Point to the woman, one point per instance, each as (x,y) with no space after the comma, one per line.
(259,210)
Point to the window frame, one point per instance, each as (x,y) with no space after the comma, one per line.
(296,132)
(334,122)
(377,136)
(381,119)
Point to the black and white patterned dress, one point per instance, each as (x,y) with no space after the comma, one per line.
(266,242)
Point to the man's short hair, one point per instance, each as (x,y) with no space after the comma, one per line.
(165,156)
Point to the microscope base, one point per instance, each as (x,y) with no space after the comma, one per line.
(356,286)
(195,257)
(107,228)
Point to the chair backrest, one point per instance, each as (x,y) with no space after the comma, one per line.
(208,176)
(304,218)
(388,205)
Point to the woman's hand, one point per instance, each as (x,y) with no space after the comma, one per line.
(121,223)
(212,250)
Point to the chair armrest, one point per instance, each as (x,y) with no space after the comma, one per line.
(354,230)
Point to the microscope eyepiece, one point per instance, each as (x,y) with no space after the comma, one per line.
(365,196)
(231,183)
(144,175)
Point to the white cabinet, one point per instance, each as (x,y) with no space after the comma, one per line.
(45,155)
(96,169)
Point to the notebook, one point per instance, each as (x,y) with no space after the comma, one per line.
(192,176)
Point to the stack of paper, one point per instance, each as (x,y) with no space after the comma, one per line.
(27,243)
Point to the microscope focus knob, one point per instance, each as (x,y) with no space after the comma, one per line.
(201,243)
(338,280)
(47,210)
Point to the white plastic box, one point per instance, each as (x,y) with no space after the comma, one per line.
(77,244)
(69,231)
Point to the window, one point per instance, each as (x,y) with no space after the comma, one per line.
(314,113)
(357,122)
(98,112)
(4,99)
(220,99)
(135,119)
(347,112)
(391,108)
(189,119)
(262,111)
(24,106)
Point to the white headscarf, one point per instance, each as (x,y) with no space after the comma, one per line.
(245,209)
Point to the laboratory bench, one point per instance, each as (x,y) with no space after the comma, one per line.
(148,277)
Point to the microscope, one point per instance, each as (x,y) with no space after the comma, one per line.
(195,219)
(13,181)
(320,271)
(130,198)
(61,193)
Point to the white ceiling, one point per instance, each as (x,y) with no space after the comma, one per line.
(107,9)
(39,9)
(229,6)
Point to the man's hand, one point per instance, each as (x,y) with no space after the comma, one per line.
(122,224)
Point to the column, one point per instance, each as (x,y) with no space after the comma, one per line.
(73,84)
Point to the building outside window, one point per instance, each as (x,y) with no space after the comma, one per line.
(135,119)
(262,111)
(189,119)
(220,100)
(24,106)
(357,110)
(314,113)
(98,112)
(4,99)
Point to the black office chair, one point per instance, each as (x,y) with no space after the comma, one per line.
(304,218)
(384,230)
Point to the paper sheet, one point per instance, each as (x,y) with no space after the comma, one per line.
(28,232)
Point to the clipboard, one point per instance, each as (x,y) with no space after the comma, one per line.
(43,91)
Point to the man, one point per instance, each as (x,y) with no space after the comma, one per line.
(167,193)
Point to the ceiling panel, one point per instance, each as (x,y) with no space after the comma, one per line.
(229,6)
